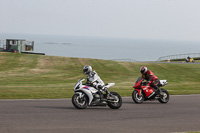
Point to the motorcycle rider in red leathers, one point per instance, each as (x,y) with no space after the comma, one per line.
(151,78)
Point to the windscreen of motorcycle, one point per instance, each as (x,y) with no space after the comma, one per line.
(138,79)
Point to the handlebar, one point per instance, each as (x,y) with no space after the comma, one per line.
(144,83)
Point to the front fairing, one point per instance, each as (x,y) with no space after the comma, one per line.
(78,84)
(143,88)
(87,90)
(138,83)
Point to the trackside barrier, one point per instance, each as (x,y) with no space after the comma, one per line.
(178,56)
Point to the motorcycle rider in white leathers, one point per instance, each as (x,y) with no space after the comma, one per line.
(92,78)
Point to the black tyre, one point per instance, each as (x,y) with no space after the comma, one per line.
(136,98)
(164,98)
(117,103)
(79,103)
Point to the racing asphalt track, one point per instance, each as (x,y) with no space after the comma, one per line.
(181,114)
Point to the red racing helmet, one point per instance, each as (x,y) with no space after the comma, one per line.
(143,70)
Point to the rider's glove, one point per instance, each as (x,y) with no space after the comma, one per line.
(148,82)
(100,88)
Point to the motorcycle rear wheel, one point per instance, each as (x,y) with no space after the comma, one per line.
(165,96)
(136,98)
(117,103)
(79,103)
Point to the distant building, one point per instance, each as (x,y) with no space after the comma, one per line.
(19,45)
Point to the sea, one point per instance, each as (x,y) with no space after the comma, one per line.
(127,49)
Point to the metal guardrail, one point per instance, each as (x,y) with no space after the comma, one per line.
(179,56)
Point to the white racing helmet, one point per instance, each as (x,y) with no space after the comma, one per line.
(87,69)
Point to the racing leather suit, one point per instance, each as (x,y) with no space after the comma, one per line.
(152,79)
(94,80)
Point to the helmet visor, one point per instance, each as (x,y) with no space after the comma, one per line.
(85,71)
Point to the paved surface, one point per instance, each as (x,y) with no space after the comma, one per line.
(182,113)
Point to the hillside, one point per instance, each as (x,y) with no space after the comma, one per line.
(24,76)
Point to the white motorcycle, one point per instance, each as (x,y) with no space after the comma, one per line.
(89,96)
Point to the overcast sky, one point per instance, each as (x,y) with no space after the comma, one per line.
(143,19)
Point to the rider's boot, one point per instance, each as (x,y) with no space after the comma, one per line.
(103,102)
(158,91)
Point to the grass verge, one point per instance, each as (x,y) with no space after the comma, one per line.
(24,76)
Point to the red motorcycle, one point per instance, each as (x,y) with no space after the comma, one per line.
(144,91)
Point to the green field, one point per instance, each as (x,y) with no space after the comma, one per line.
(26,76)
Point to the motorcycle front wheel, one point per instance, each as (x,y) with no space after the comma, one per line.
(137,98)
(115,100)
(164,98)
(79,102)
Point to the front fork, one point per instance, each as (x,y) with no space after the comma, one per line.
(139,91)
(81,95)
